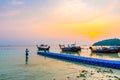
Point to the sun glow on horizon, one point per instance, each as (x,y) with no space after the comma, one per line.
(59,20)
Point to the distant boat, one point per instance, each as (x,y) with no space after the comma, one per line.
(43,47)
(101,49)
(70,48)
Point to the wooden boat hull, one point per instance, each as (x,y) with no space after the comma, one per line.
(97,51)
(103,51)
(70,50)
(106,50)
(44,49)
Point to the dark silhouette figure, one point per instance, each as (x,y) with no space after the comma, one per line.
(26,54)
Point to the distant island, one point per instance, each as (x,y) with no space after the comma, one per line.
(108,42)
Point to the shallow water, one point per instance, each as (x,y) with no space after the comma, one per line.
(15,66)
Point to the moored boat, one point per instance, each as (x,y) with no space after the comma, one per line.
(101,49)
(70,48)
(43,47)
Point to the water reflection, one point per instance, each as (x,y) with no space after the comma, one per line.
(26,60)
(88,53)
(106,55)
(119,54)
(72,53)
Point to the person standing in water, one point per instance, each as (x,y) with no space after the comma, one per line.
(27,52)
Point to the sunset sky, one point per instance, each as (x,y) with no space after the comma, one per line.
(30,22)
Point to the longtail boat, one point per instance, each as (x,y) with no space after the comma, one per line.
(43,47)
(101,49)
(70,48)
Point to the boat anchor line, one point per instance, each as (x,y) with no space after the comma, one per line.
(86,60)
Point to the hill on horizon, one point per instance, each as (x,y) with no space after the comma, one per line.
(108,42)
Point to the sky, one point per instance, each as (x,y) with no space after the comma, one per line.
(31,22)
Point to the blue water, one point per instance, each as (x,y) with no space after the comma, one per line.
(15,66)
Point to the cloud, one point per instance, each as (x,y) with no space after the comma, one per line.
(16,3)
(69,8)
(73,11)
(82,12)
(10,13)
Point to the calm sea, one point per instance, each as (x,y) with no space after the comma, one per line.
(15,66)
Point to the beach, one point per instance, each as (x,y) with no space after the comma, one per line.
(15,66)
(86,28)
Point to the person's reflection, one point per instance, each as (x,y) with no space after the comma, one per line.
(26,59)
